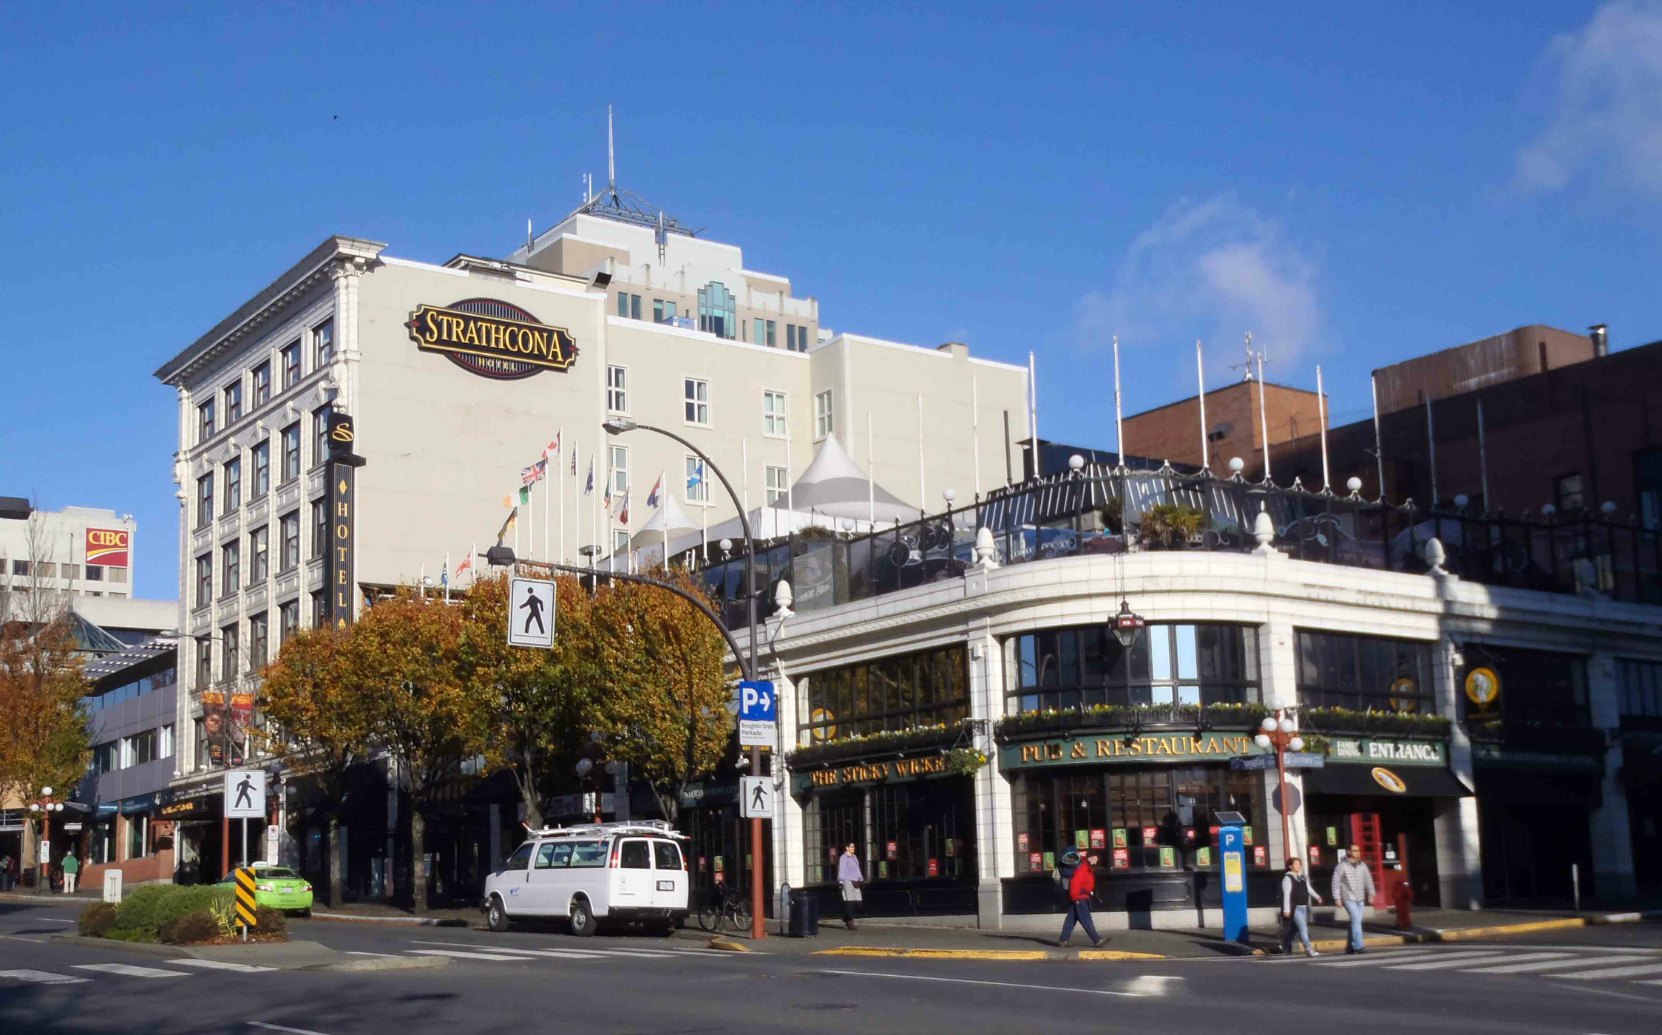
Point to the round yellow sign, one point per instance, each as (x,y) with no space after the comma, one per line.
(1482,686)
(1403,689)
(1389,780)
(824,724)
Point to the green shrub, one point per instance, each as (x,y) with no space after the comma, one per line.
(96,920)
(270,923)
(190,929)
(149,908)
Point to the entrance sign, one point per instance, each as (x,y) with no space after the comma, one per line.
(531,613)
(755,797)
(245,794)
(758,713)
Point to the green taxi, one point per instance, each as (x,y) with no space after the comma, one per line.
(278,887)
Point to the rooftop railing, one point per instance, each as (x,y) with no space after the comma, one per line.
(1103,510)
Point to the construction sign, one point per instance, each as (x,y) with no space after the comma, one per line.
(245,896)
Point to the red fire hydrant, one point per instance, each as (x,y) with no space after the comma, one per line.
(1403,898)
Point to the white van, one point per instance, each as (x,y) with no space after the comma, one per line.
(593,873)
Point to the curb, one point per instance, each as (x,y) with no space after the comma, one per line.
(419,921)
(936,954)
(1117,954)
(727,946)
(1637,917)
(145,948)
(12,896)
(381,964)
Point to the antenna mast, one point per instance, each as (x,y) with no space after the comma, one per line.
(611,155)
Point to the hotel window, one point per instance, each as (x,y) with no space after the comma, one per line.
(323,344)
(695,396)
(228,652)
(778,482)
(233,485)
(205,421)
(766,333)
(204,580)
(617,467)
(1085,666)
(796,338)
(262,384)
(291,453)
(717,310)
(698,481)
(230,558)
(258,634)
(142,747)
(320,608)
(204,661)
(662,311)
(291,364)
(164,742)
(773,414)
(320,526)
(233,402)
(204,499)
(822,415)
(320,434)
(259,555)
(617,389)
(900,693)
(1567,493)
(628,305)
(289,530)
(288,620)
(1364,673)
(262,468)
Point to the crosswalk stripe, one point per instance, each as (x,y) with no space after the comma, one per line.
(1381,960)
(564,954)
(1583,961)
(128,970)
(241,968)
(1450,964)
(1612,972)
(458,954)
(42,977)
(356,952)
(645,954)
(1522,961)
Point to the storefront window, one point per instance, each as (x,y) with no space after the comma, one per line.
(138,827)
(1167,665)
(925,689)
(101,842)
(835,819)
(1535,688)
(1139,819)
(920,831)
(1364,673)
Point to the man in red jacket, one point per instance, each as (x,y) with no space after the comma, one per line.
(1080,890)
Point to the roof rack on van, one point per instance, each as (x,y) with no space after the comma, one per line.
(643,826)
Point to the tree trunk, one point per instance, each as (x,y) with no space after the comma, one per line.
(418,860)
(334,859)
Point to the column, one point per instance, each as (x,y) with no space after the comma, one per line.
(789,817)
(1455,823)
(1612,833)
(1278,669)
(994,822)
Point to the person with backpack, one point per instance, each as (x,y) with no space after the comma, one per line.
(1081,889)
(1062,874)
(1296,897)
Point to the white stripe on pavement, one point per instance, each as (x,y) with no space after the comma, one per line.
(564,954)
(1450,964)
(128,970)
(279,1027)
(1383,959)
(458,954)
(1612,972)
(645,954)
(969,981)
(1526,968)
(241,968)
(42,977)
(356,952)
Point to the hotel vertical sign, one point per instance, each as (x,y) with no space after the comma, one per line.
(339,576)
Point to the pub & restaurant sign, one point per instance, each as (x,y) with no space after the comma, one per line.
(1099,749)
(492,338)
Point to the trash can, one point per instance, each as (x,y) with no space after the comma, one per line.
(804,915)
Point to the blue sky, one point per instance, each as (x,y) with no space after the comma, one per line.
(1354,185)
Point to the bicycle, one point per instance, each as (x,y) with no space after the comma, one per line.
(727,907)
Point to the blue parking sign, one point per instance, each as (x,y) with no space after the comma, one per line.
(757,702)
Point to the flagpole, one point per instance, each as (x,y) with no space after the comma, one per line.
(531,523)
(744,473)
(975,433)
(790,477)
(1378,443)
(547,497)
(561,438)
(1263,409)
(1321,413)
(663,513)
(1119,421)
(472,569)
(923,491)
(871,483)
(445,576)
(1200,377)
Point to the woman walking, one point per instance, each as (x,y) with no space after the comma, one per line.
(850,878)
(1296,897)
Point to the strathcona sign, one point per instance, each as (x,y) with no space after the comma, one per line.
(492,338)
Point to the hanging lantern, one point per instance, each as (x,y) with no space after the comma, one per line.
(1127,625)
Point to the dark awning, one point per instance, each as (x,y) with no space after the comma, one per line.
(1415,781)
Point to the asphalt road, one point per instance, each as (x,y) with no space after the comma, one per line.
(1596,981)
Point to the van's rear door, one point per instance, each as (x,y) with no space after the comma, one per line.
(669,876)
(632,880)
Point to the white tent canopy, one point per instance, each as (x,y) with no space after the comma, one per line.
(834,486)
(669,517)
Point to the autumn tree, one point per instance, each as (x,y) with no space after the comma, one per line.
(537,700)
(321,716)
(424,711)
(662,661)
(43,725)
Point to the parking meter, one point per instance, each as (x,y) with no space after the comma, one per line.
(1232,860)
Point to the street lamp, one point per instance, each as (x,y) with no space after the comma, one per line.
(618,426)
(44,806)
(1280,732)
(1127,624)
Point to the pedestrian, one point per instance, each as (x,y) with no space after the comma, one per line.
(1353,889)
(850,877)
(1081,888)
(71,867)
(6,871)
(1296,897)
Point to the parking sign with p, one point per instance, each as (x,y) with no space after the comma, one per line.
(758,713)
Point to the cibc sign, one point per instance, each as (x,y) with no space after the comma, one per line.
(111,547)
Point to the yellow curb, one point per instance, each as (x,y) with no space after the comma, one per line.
(1338,944)
(1116,954)
(936,954)
(1463,933)
(724,944)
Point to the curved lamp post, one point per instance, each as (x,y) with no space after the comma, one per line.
(1280,732)
(618,426)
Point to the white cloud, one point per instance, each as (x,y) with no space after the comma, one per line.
(1214,270)
(1607,103)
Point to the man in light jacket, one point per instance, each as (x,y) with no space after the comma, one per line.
(1353,888)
